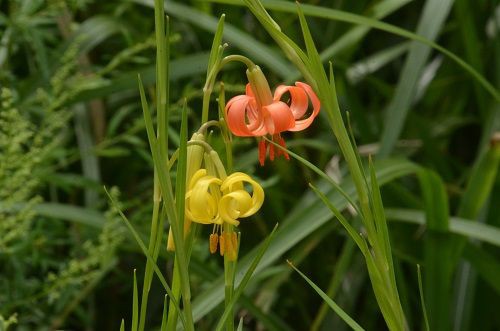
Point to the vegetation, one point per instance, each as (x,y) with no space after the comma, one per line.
(380,214)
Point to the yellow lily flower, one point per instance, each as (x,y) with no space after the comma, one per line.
(211,200)
(204,206)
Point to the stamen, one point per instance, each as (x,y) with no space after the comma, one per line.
(234,240)
(213,241)
(231,245)
(281,141)
(262,152)
(271,152)
(222,244)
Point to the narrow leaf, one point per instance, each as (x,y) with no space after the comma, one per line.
(336,308)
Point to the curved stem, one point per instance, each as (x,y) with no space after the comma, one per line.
(238,58)
(208,124)
(207,89)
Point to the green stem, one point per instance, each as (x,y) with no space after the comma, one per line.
(229,272)
(237,58)
(161,156)
(206,102)
(207,90)
(206,125)
(148,273)
(176,291)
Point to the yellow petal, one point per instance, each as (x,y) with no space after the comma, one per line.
(201,204)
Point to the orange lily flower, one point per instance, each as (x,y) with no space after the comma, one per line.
(259,113)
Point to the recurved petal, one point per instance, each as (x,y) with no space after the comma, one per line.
(233,205)
(242,116)
(304,123)
(234,183)
(298,99)
(277,117)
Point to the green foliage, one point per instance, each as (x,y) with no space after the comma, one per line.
(419,80)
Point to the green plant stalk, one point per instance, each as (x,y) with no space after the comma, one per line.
(148,273)
(159,149)
(422,301)
(311,66)
(229,273)
(164,315)
(176,291)
(135,304)
(214,167)
(213,67)
(226,134)
(392,311)
(168,201)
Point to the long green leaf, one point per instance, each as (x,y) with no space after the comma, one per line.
(135,305)
(438,250)
(432,19)
(472,230)
(336,308)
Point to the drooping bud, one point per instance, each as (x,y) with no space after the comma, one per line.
(260,86)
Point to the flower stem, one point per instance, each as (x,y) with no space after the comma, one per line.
(229,272)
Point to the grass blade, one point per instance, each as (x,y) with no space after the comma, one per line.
(422,301)
(438,250)
(135,305)
(464,227)
(164,316)
(352,323)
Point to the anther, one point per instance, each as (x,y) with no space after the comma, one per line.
(222,244)
(262,152)
(213,241)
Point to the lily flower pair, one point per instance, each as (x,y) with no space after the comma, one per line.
(212,200)
(259,113)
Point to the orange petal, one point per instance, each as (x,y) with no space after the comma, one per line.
(248,90)
(277,117)
(298,96)
(241,110)
(304,123)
